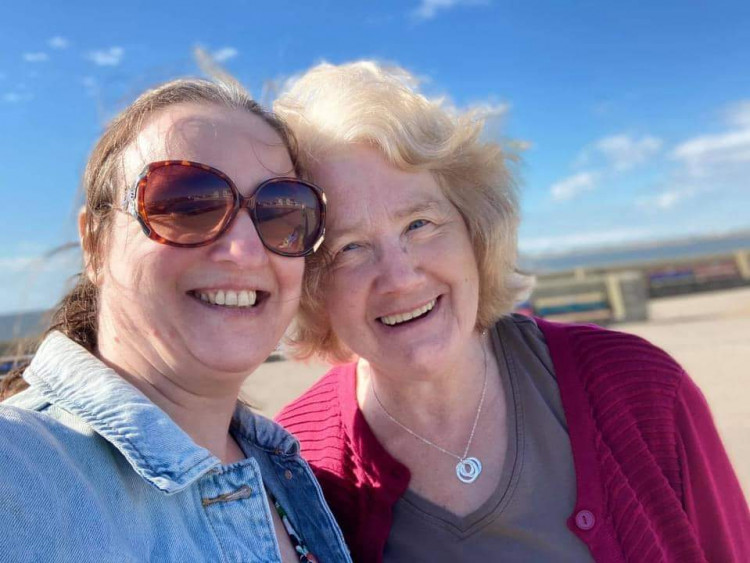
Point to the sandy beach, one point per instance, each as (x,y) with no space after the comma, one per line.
(709,334)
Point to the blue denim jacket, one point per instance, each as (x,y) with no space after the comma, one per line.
(91,470)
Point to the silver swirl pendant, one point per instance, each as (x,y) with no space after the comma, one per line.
(467,470)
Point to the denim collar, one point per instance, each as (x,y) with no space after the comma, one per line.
(69,376)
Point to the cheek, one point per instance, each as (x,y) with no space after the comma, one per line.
(141,273)
(152,270)
(289,272)
(127,255)
(345,299)
(332,299)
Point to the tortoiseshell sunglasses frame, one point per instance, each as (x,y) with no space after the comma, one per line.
(133,204)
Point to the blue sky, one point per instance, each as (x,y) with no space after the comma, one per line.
(635,117)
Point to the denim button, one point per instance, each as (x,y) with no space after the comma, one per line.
(287,474)
(585,519)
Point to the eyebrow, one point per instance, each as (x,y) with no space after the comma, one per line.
(424,206)
(420,207)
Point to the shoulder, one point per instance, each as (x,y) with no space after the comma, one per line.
(613,380)
(22,427)
(583,335)
(33,440)
(316,419)
(600,353)
(48,450)
(620,394)
(53,486)
(317,404)
(34,464)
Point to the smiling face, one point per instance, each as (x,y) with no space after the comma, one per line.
(404,285)
(198,313)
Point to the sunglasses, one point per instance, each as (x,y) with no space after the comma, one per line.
(188,204)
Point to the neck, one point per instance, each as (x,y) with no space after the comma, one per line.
(204,416)
(444,400)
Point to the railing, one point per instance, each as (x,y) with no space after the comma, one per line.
(621,293)
(601,298)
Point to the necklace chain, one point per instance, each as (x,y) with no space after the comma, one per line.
(425,440)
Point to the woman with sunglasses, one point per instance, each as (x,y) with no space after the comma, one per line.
(128,442)
(453,430)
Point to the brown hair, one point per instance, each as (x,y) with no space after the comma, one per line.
(76,314)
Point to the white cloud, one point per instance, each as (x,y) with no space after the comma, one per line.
(428,9)
(16,263)
(738,114)
(490,110)
(732,146)
(573,186)
(224,54)
(35,57)
(665,200)
(566,242)
(35,282)
(58,42)
(107,57)
(624,152)
(720,157)
(620,152)
(708,166)
(64,257)
(493,114)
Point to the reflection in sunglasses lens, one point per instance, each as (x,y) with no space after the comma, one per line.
(287,216)
(187,205)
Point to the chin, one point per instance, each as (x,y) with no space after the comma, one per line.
(229,360)
(231,366)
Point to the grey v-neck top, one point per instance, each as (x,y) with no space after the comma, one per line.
(525,518)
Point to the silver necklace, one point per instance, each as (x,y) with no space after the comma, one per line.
(467,468)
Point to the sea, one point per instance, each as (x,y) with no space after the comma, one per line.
(643,252)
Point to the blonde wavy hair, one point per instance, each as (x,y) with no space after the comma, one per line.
(331,107)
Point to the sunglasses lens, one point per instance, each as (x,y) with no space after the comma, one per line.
(288,216)
(187,205)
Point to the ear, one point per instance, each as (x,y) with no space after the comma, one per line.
(83,237)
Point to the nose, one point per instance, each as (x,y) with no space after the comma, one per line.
(240,244)
(398,271)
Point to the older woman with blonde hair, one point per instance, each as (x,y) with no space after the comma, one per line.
(452,429)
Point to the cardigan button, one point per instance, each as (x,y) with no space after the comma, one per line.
(585,519)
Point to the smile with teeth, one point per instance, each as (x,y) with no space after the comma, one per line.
(392,320)
(228,297)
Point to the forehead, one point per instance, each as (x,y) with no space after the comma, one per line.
(362,185)
(236,142)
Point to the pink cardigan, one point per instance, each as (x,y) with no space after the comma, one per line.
(653,480)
